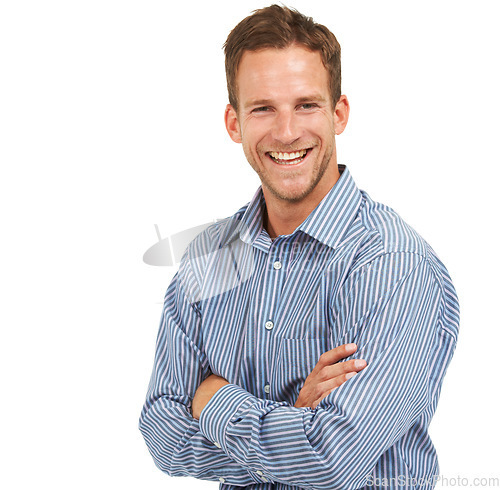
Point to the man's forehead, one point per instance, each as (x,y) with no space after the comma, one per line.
(295,72)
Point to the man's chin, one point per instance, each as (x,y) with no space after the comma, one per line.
(291,195)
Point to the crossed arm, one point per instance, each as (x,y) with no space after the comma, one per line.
(328,374)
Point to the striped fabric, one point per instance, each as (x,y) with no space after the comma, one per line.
(260,313)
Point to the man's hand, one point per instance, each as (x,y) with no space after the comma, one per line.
(329,374)
(205,392)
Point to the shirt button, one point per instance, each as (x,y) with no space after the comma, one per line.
(264,479)
(277,265)
(221,479)
(269,325)
(267,388)
(259,473)
(217,444)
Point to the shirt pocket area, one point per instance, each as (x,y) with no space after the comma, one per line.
(295,360)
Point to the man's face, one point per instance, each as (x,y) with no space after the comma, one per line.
(286,122)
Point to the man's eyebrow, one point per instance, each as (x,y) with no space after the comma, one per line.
(311,98)
(258,103)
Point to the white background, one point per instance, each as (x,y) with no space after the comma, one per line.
(111,117)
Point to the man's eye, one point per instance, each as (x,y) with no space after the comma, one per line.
(261,109)
(309,105)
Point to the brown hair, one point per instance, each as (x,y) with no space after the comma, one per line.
(280,27)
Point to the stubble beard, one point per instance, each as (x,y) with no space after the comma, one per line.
(291,196)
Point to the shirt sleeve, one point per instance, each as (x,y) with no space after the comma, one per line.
(171,433)
(394,310)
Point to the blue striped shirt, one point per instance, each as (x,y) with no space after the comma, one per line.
(260,312)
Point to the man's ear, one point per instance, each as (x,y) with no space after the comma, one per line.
(232,124)
(341,114)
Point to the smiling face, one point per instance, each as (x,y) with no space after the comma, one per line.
(287,124)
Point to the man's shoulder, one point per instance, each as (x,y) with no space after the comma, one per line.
(385,230)
(212,240)
(218,234)
(213,258)
(378,231)
(386,233)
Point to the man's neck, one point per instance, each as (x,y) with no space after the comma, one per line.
(282,217)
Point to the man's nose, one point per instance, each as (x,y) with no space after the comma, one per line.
(286,128)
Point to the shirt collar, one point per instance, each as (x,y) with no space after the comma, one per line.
(327,223)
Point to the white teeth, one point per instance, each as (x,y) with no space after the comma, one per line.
(287,156)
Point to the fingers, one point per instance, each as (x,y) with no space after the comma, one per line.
(353,365)
(331,377)
(335,355)
(329,374)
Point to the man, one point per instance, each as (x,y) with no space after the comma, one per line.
(303,341)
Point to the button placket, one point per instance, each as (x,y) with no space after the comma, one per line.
(275,281)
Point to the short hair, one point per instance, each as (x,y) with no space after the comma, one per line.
(280,27)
